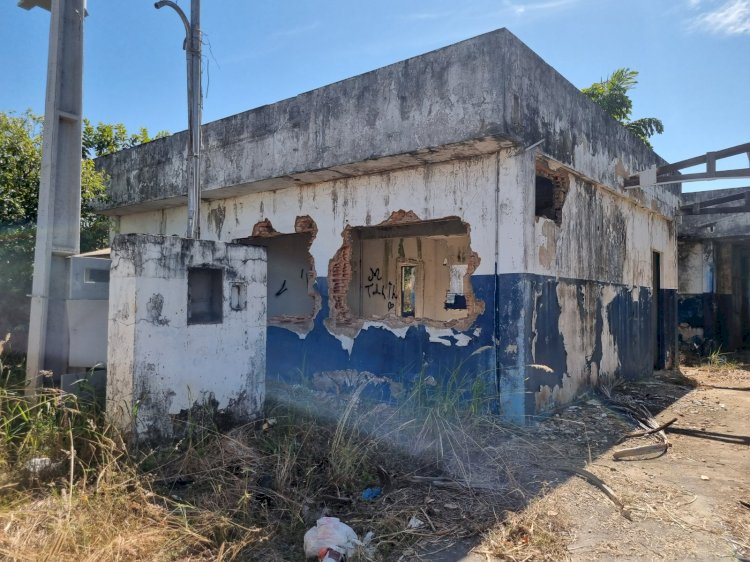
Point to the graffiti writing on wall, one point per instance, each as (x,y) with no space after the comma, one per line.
(377,286)
(283,289)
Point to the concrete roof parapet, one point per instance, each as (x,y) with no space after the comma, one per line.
(473,97)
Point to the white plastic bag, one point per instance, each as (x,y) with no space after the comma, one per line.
(330,532)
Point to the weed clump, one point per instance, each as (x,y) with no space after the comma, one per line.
(69,490)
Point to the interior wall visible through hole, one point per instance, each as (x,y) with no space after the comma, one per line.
(290,277)
(377,292)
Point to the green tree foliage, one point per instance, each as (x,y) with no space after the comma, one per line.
(107,138)
(20,169)
(612,95)
(20,163)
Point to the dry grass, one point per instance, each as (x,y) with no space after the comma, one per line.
(69,490)
(251,493)
(103,510)
(718,361)
(538,532)
(120,524)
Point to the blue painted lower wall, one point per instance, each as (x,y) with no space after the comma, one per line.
(521,315)
(640,341)
(713,313)
(402,360)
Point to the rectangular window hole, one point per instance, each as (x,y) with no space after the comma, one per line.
(544,202)
(408,290)
(238,298)
(205,296)
(551,189)
(92,275)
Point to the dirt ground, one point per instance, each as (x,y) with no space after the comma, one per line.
(684,504)
(522,498)
(520,495)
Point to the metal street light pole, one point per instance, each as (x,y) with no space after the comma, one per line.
(192,48)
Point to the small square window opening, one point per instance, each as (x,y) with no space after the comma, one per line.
(205,296)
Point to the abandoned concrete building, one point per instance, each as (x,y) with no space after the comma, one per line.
(456,216)
(714,269)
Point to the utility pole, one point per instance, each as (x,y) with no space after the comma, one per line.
(59,211)
(192,46)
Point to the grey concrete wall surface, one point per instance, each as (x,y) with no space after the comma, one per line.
(159,365)
(714,225)
(85,284)
(469,98)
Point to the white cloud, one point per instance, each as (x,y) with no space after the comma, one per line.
(420,16)
(731,18)
(546,6)
(299,30)
(482,11)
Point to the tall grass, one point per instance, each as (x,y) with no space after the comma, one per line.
(249,493)
(70,491)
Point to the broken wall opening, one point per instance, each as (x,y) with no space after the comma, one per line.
(405,271)
(550,190)
(293,300)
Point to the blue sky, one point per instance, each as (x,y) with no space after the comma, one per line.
(693,55)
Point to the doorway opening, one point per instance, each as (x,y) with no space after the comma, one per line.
(657,312)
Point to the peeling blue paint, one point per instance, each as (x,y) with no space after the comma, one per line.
(383,353)
(499,352)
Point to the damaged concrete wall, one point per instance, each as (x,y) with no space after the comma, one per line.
(465,188)
(697,299)
(441,136)
(576,297)
(440,262)
(592,292)
(161,360)
(713,300)
(714,226)
(731,293)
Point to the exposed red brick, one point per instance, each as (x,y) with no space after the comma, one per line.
(340,274)
(401,216)
(264,229)
(561,182)
(339,279)
(304,224)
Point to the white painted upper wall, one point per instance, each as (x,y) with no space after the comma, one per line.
(691,268)
(604,236)
(157,357)
(462,188)
(476,190)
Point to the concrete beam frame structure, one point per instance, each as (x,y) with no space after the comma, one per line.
(59,212)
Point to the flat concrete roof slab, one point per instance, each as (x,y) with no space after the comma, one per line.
(463,100)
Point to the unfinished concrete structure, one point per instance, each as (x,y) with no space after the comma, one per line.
(459,214)
(714,269)
(187,327)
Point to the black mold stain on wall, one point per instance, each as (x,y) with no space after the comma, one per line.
(628,315)
(600,231)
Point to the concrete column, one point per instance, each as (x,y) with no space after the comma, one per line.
(59,213)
